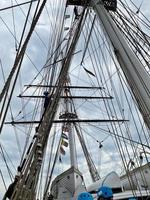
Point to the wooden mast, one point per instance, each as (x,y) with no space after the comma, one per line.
(30,169)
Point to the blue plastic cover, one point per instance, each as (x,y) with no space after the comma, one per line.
(85,196)
(105,192)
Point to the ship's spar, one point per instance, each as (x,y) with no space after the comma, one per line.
(134,72)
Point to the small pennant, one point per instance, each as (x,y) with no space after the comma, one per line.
(64,143)
(89,72)
(62,151)
(64,136)
(65,129)
(60,160)
(67,16)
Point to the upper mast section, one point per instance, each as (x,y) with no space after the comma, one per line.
(134,71)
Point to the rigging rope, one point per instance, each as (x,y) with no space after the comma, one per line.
(3,180)
(13,6)
(22,51)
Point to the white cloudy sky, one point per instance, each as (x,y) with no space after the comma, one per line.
(37,51)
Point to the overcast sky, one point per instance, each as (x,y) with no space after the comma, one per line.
(33,62)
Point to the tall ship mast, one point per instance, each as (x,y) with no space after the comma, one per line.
(75,100)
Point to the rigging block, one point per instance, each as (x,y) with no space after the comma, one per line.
(110,4)
(68,115)
(77,2)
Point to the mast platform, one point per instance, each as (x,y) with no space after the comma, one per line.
(77,2)
(108,4)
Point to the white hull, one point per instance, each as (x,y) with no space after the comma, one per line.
(139,178)
(68,185)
